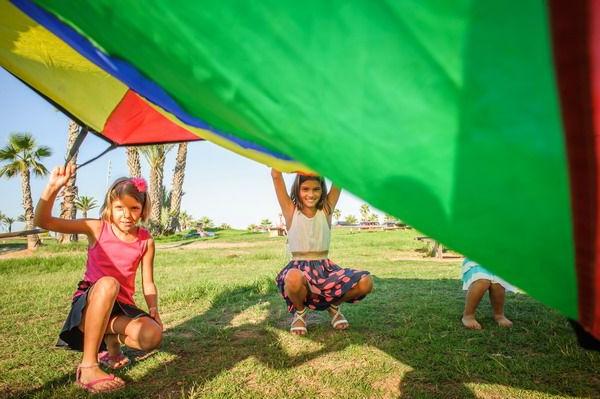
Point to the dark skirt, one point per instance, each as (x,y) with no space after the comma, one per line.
(71,336)
(327,282)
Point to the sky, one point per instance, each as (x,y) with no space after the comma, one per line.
(220,184)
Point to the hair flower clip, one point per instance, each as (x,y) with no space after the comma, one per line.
(139,183)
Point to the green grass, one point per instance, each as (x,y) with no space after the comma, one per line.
(227,329)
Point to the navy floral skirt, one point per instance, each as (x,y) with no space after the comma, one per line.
(327,282)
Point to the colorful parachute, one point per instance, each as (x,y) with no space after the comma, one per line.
(102,93)
(473,121)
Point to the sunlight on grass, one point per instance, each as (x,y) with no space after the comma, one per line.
(488,391)
(253,315)
(295,346)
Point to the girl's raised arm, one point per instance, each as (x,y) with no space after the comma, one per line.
(148,286)
(332,197)
(43,211)
(285,202)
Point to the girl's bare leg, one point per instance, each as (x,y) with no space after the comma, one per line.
(295,286)
(476,291)
(497,294)
(142,333)
(113,346)
(364,287)
(100,301)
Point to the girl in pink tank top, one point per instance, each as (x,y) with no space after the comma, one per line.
(103,313)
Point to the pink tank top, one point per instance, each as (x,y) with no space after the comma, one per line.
(110,256)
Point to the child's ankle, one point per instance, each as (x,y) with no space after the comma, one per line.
(113,346)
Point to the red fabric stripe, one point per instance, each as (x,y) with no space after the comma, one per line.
(134,121)
(576,70)
(594,278)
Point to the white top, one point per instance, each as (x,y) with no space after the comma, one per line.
(309,234)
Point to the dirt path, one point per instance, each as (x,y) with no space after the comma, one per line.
(209,245)
(17,253)
(398,256)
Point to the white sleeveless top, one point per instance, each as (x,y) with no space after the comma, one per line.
(309,234)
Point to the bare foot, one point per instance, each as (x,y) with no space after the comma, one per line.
(470,322)
(113,357)
(503,321)
(88,374)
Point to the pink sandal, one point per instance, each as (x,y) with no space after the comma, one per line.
(108,360)
(89,386)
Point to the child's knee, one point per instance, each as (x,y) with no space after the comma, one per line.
(106,286)
(366,285)
(294,279)
(482,284)
(150,336)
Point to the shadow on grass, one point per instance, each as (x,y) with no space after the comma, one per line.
(417,322)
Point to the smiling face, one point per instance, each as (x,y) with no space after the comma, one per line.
(310,193)
(125,212)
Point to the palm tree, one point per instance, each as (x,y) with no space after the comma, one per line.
(265,223)
(2,217)
(22,156)
(69,191)
(387,218)
(364,212)
(165,197)
(177,187)
(165,200)
(9,222)
(155,156)
(336,214)
(205,222)
(184,220)
(85,204)
(351,219)
(133,162)
(252,227)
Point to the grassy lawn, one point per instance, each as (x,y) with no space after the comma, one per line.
(227,329)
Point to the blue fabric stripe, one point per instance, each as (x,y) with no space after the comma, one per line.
(127,73)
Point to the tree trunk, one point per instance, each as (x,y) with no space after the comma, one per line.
(177,188)
(156,181)
(133,162)
(69,192)
(33,240)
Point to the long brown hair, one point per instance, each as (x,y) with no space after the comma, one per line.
(295,192)
(121,187)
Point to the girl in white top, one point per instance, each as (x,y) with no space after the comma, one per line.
(311,280)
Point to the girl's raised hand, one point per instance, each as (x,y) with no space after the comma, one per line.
(61,175)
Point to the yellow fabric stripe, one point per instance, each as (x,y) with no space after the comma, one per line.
(41,59)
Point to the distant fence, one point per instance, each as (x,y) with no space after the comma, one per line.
(22,233)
